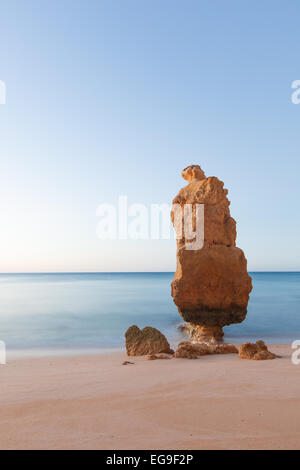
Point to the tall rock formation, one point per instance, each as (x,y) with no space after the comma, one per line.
(211,285)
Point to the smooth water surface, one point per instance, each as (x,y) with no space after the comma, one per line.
(65,313)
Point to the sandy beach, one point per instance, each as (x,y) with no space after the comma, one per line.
(94,402)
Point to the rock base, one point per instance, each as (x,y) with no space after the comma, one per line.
(202,334)
(188,350)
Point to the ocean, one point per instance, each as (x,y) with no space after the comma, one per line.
(64,314)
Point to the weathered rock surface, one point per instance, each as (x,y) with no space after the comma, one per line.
(256,351)
(146,341)
(202,334)
(211,285)
(225,348)
(190,350)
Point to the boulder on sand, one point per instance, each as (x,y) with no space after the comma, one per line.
(146,341)
(256,351)
(188,350)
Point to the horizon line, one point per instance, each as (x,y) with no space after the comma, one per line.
(130,272)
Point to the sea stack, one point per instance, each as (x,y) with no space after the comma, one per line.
(211,286)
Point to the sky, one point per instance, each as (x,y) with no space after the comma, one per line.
(110,98)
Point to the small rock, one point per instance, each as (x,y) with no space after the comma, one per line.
(126,362)
(189,350)
(256,351)
(146,341)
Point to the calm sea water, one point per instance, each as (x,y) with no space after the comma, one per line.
(59,314)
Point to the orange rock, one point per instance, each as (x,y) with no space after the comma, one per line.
(211,285)
(146,341)
(256,351)
(225,348)
(190,350)
(193,172)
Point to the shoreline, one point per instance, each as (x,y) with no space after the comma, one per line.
(18,354)
(58,353)
(94,402)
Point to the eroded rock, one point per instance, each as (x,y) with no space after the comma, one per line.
(225,348)
(189,350)
(146,341)
(202,334)
(256,351)
(211,285)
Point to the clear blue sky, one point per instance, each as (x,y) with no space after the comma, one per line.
(116,97)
